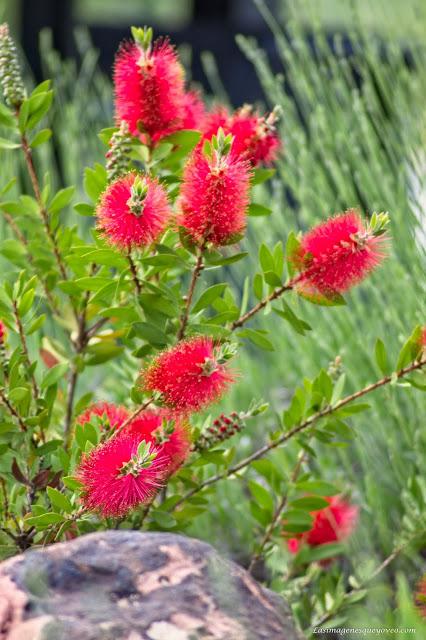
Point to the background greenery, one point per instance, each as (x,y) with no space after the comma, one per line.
(354,129)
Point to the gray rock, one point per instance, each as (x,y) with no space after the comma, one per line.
(127,585)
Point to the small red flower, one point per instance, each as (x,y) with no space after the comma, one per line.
(165,430)
(334,523)
(121,474)
(149,89)
(420,598)
(190,375)
(113,414)
(133,211)
(214,198)
(255,136)
(337,254)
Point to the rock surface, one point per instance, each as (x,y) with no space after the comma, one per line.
(127,585)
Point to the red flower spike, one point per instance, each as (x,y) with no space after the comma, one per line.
(334,523)
(165,430)
(420,597)
(214,197)
(121,474)
(338,254)
(255,137)
(133,211)
(149,89)
(114,414)
(190,375)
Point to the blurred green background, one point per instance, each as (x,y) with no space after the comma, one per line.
(350,77)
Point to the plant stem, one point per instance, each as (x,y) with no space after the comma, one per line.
(302,426)
(134,273)
(25,348)
(43,212)
(277,514)
(199,266)
(261,305)
(132,416)
(12,411)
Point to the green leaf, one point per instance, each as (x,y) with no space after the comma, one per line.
(8,144)
(381,357)
(150,333)
(272,279)
(319,487)
(266,258)
(84,209)
(61,199)
(6,117)
(36,324)
(322,552)
(72,483)
(262,175)
(54,375)
(291,250)
(261,495)
(299,325)
(258,286)
(310,503)
(39,105)
(258,210)
(410,349)
(163,519)
(45,519)
(297,516)
(218,261)
(41,137)
(352,409)
(208,296)
(26,302)
(95,181)
(59,500)
(257,338)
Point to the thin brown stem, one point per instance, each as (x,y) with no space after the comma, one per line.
(199,266)
(133,415)
(43,212)
(25,348)
(277,514)
(12,411)
(261,305)
(134,273)
(302,426)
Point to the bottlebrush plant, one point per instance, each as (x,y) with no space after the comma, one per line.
(147,292)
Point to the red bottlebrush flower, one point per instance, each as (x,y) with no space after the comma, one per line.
(149,89)
(214,198)
(113,413)
(133,211)
(190,375)
(334,523)
(165,430)
(2,332)
(420,597)
(338,253)
(194,111)
(255,137)
(120,474)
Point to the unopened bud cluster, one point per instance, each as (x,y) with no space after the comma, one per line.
(10,73)
(117,156)
(222,428)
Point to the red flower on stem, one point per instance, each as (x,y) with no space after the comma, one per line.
(2,332)
(338,254)
(149,86)
(334,523)
(190,375)
(113,414)
(165,430)
(255,136)
(215,194)
(133,211)
(121,474)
